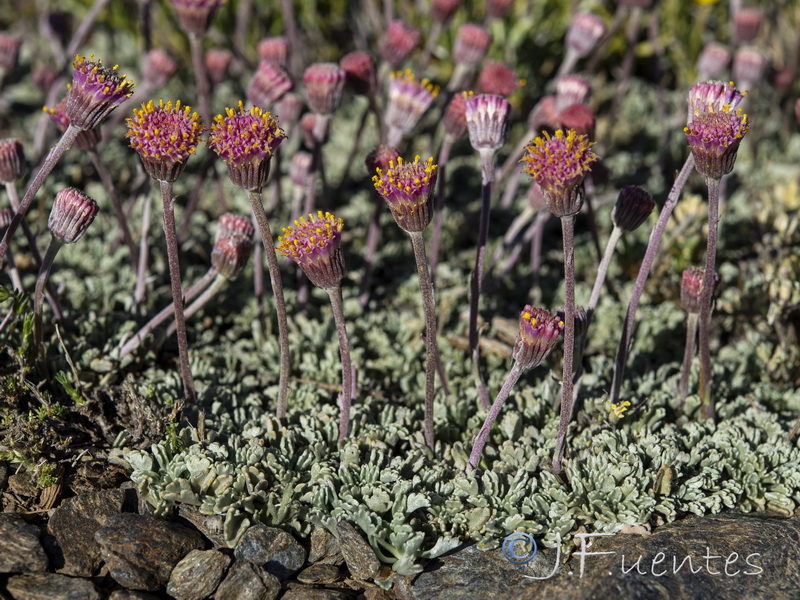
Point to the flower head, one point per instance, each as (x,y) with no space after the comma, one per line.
(692,288)
(487,119)
(314,244)
(571,90)
(455,118)
(543,116)
(713,61)
(584,32)
(380,157)
(747,21)
(95,91)
(471,44)
(400,41)
(268,85)
(409,98)
(360,70)
(231,224)
(217,62)
(442,10)
(246,140)
(88,138)
(408,190)
(714,138)
(233,245)
(497,79)
(196,15)
(72,213)
(748,66)
(579,117)
(559,164)
(300,168)
(633,207)
(165,136)
(274,50)
(158,67)
(713,96)
(12,160)
(324,85)
(538,333)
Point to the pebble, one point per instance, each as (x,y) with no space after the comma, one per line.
(319,573)
(246,581)
(50,586)
(358,555)
(198,574)
(274,549)
(20,548)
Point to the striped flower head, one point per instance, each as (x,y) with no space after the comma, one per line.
(497,79)
(314,244)
(714,137)
(165,136)
(233,245)
(268,85)
(487,119)
(232,224)
(12,160)
(455,117)
(196,15)
(633,207)
(360,71)
(158,67)
(246,140)
(472,42)
(71,214)
(95,91)
(713,96)
(408,188)
(409,98)
(559,164)
(324,85)
(538,334)
(400,41)
(274,50)
(87,138)
(584,32)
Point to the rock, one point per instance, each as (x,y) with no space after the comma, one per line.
(131,595)
(198,574)
(319,573)
(358,555)
(74,524)
(276,550)
(20,548)
(50,586)
(211,526)
(307,593)
(141,550)
(246,581)
(325,548)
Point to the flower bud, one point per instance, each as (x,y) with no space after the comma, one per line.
(400,41)
(472,42)
(218,60)
(360,70)
(487,121)
(158,67)
(268,85)
(747,22)
(324,84)
(380,158)
(538,334)
(692,288)
(12,160)
(571,90)
(584,32)
(633,207)
(72,213)
(9,52)
(713,61)
(274,50)
(497,79)
(195,16)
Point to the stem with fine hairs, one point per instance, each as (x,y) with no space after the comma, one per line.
(201,77)
(337,304)
(706,384)
(141,271)
(688,356)
(38,296)
(257,205)
(177,295)
(438,215)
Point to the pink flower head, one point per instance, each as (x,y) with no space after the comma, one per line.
(487,121)
(747,22)
(633,207)
(497,79)
(442,10)
(713,61)
(218,60)
(692,288)
(579,117)
(233,245)
(314,244)
(408,190)
(714,137)
(158,68)
(559,164)
(409,98)
(497,9)
(538,334)
(231,224)
(165,136)
(12,160)
(584,32)
(312,132)
(195,16)
(748,66)
(268,85)
(360,70)
(72,213)
(246,141)
(472,42)
(95,91)
(571,90)
(713,96)
(324,85)
(455,118)
(86,139)
(9,52)
(274,50)
(400,41)
(380,158)
(300,168)
(544,116)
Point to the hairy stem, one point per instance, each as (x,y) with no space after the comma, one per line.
(345,400)
(38,295)
(211,291)
(141,271)
(688,355)
(706,384)
(201,77)
(444,156)
(641,279)
(280,305)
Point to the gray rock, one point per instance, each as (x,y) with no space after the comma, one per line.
(131,595)
(307,593)
(198,574)
(325,548)
(319,573)
(276,550)
(141,550)
(246,581)
(211,526)
(20,548)
(74,524)
(358,555)
(50,586)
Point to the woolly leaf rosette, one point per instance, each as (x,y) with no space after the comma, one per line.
(559,164)
(165,136)
(95,91)
(714,137)
(314,244)
(408,190)
(538,334)
(246,140)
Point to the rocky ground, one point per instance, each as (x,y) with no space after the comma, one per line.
(103,542)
